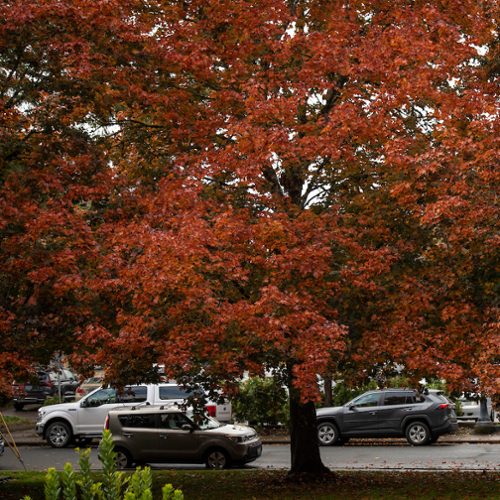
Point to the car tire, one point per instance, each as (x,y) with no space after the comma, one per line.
(18,406)
(58,434)
(217,459)
(418,434)
(123,459)
(328,434)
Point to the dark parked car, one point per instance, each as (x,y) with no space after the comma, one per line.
(420,417)
(167,434)
(47,386)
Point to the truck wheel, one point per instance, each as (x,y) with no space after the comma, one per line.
(58,434)
(18,406)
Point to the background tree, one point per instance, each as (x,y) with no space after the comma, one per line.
(57,80)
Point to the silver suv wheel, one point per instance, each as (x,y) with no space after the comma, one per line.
(418,434)
(328,434)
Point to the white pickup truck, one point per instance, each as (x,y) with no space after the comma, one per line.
(83,420)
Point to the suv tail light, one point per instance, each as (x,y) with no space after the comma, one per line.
(80,391)
(443,406)
(46,384)
(106,424)
(212,410)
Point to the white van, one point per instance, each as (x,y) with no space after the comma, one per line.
(83,420)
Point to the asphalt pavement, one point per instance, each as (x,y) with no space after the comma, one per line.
(465,434)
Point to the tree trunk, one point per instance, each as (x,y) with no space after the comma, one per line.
(303,436)
(328,389)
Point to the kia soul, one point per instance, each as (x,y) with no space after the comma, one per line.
(166,434)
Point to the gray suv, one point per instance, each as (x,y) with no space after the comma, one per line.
(420,417)
(166,434)
(46,385)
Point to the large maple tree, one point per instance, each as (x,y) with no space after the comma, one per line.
(222,187)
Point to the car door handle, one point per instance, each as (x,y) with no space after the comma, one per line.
(373,413)
(126,434)
(408,409)
(163,436)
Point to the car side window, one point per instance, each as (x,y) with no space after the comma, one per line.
(134,394)
(173,421)
(367,400)
(142,421)
(398,398)
(172,392)
(418,398)
(102,397)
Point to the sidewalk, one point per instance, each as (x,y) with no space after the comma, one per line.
(464,435)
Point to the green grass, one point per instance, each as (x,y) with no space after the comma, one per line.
(15,423)
(269,485)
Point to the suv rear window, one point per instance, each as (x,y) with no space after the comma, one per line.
(398,398)
(143,421)
(419,398)
(403,398)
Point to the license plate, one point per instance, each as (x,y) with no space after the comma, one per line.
(27,387)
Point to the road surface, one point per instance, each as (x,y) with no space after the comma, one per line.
(435,457)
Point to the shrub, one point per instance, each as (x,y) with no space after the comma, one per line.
(261,402)
(54,400)
(343,393)
(115,485)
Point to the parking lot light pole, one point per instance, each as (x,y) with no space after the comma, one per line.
(484,425)
(59,366)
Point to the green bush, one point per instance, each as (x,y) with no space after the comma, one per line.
(54,400)
(343,392)
(261,402)
(115,485)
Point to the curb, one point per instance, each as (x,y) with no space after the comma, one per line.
(26,437)
(35,441)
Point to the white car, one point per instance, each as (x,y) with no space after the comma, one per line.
(83,420)
(470,408)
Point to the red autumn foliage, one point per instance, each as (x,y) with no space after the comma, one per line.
(222,187)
